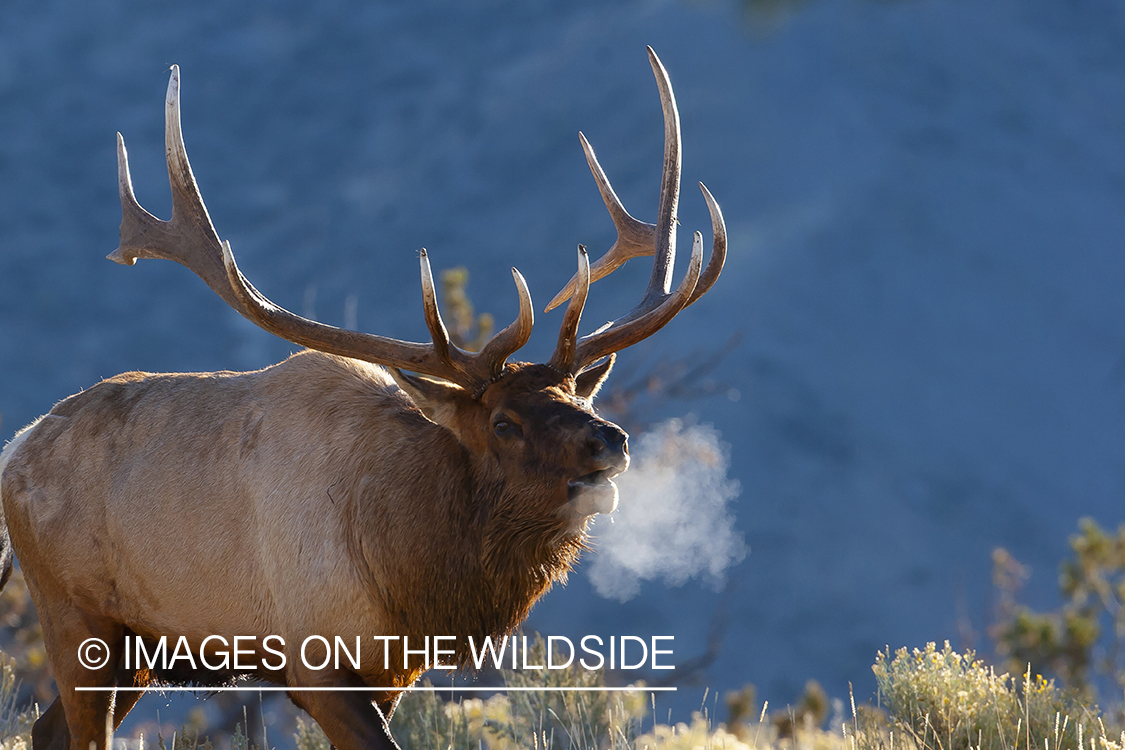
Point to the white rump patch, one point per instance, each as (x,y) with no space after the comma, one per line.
(13,445)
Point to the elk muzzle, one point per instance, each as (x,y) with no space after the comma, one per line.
(607,448)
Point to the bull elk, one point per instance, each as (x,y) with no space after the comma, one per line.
(364,486)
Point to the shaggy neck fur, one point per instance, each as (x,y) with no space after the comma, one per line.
(490,550)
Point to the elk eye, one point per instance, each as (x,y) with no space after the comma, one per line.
(502,426)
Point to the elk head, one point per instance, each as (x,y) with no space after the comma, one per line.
(528,427)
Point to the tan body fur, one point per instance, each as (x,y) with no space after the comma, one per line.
(312,497)
(319,498)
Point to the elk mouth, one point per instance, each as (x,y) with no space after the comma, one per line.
(592,493)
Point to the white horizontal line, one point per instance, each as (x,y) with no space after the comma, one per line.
(422,689)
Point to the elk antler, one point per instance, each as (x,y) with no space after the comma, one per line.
(636,238)
(190,239)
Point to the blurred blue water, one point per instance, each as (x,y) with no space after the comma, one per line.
(924,207)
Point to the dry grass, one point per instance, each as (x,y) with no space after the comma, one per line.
(932,699)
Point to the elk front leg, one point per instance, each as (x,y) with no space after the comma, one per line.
(349,718)
(388,706)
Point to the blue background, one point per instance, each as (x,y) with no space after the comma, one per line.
(924,201)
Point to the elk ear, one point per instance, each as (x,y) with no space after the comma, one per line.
(437,399)
(590,380)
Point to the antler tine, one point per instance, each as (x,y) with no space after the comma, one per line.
(190,239)
(501,346)
(661,278)
(718,247)
(563,358)
(635,238)
(616,337)
(484,367)
(438,331)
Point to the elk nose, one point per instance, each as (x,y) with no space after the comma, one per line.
(608,444)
